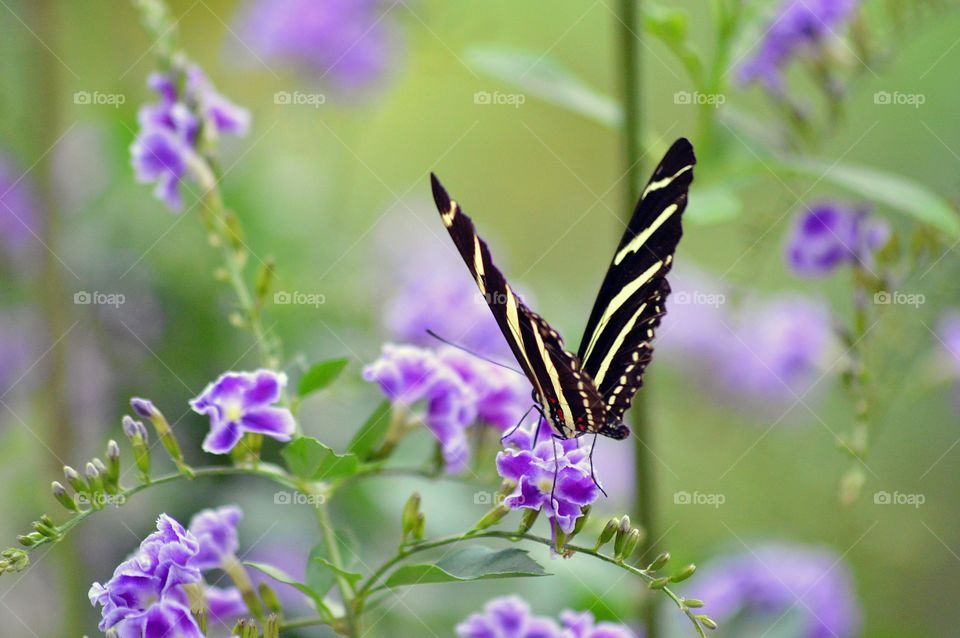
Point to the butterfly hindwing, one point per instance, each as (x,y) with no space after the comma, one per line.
(616,345)
(569,395)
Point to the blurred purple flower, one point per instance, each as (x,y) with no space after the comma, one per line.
(948,331)
(348,42)
(768,354)
(776,579)
(560,469)
(509,617)
(224,605)
(16,349)
(19,210)
(408,375)
(216,533)
(240,402)
(829,235)
(145,597)
(801,27)
(502,396)
(169,136)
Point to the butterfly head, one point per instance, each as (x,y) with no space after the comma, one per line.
(615,430)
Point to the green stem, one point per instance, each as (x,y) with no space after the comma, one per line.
(630,29)
(333,550)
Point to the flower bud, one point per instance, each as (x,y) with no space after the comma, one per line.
(608,531)
(147,410)
(113,466)
(559,538)
(707,621)
(659,562)
(60,493)
(581,520)
(659,583)
(493,516)
(14,560)
(93,479)
(629,544)
(272,629)
(46,527)
(622,532)
(693,603)
(269,598)
(527,520)
(29,540)
(420,529)
(410,512)
(684,573)
(73,478)
(200,615)
(137,433)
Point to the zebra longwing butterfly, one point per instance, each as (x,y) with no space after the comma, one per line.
(588,392)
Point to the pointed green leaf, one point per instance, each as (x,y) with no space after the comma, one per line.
(545,79)
(890,189)
(468,563)
(282,577)
(371,433)
(311,460)
(320,376)
(321,575)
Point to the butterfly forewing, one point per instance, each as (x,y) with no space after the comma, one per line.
(616,345)
(570,397)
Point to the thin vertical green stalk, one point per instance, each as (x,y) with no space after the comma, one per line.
(629,27)
(347,593)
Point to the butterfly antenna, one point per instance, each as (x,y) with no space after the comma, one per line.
(592,475)
(519,423)
(471,352)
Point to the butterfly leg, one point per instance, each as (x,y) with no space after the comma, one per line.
(519,423)
(536,432)
(556,470)
(592,475)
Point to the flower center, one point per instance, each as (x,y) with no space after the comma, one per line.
(233,411)
(546,485)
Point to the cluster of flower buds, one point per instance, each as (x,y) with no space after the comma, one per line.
(687,605)
(248,628)
(13,560)
(99,484)
(626,537)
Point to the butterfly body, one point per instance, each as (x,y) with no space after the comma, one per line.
(588,392)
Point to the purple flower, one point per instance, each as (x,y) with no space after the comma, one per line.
(551,467)
(240,402)
(948,331)
(408,375)
(507,617)
(778,580)
(800,28)
(170,130)
(224,604)
(502,396)
(216,533)
(828,235)
(582,625)
(19,210)
(348,42)
(145,597)
(16,345)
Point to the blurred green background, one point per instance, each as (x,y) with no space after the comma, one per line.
(338,193)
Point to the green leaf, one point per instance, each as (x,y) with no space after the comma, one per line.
(311,460)
(320,376)
(713,203)
(545,79)
(371,433)
(282,577)
(352,577)
(321,574)
(890,189)
(469,563)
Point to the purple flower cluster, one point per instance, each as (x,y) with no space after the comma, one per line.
(457,390)
(509,617)
(550,475)
(348,42)
(146,598)
(801,27)
(242,402)
(829,235)
(775,581)
(948,332)
(767,354)
(189,110)
(19,210)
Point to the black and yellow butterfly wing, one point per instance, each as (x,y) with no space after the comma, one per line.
(617,342)
(571,398)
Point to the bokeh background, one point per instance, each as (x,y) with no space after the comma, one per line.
(337,192)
